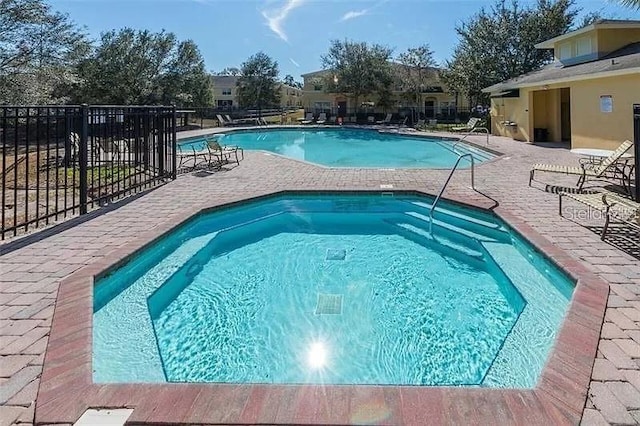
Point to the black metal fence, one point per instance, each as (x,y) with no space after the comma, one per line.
(206,117)
(66,160)
(445,115)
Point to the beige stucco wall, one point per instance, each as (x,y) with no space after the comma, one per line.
(595,129)
(511,110)
(590,128)
(611,39)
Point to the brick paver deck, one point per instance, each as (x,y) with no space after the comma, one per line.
(30,274)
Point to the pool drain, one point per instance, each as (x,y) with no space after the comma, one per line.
(329,304)
(336,254)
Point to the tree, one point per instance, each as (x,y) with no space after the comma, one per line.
(416,71)
(139,67)
(290,81)
(38,51)
(357,69)
(499,44)
(258,85)
(230,71)
(631,3)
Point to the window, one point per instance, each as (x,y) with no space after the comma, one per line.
(583,46)
(565,51)
(226,91)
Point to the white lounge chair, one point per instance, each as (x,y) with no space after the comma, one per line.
(322,118)
(608,165)
(469,127)
(612,205)
(386,120)
(308,118)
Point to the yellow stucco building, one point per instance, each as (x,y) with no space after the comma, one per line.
(585,96)
(225,93)
(436,100)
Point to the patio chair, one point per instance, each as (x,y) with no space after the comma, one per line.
(612,205)
(386,120)
(222,121)
(230,121)
(220,155)
(308,118)
(585,172)
(185,155)
(469,127)
(322,118)
(419,125)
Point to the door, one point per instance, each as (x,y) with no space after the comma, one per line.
(342,109)
(430,108)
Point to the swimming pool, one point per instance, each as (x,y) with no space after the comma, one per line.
(347,147)
(331,288)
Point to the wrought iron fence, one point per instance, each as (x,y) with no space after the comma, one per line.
(442,116)
(207,117)
(66,160)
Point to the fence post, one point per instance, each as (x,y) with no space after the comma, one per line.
(160,117)
(174,147)
(83,157)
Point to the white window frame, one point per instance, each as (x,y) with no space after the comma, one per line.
(581,43)
(565,51)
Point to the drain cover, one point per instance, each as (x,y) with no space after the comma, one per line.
(336,254)
(329,304)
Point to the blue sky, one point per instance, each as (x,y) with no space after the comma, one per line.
(293,32)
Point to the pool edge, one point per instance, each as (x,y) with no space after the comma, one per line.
(67,390)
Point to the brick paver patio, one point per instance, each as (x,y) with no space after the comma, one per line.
(31,273)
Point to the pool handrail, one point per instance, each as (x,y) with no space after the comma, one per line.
(453,169)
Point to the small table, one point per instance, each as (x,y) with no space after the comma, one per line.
(622,170)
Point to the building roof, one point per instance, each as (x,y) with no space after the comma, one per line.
(623,61)
(599,24)
(393,64)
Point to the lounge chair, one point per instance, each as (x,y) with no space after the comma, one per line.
(227,121)
(231,121)
(308,118)
(471,125)
(386,120)
(219,155)
(419,125)
(612,205)
(322,118)
(185,155)
(608,165)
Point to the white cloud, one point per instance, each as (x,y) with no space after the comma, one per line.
(354,14)
(358,13)
(294,62)
(276,17)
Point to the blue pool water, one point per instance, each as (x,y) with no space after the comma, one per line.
(345,147)
(342,289)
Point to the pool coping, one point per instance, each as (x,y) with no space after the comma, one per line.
(423,135)
(67,390)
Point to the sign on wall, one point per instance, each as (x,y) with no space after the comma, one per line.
(606,103)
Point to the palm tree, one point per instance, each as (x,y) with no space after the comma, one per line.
(631,3)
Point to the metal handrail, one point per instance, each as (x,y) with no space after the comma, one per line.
(470,133)
(453,169)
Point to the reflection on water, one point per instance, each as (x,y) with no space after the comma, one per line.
(294,149)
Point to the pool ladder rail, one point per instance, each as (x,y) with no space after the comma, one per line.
(446,183)
(482,129)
